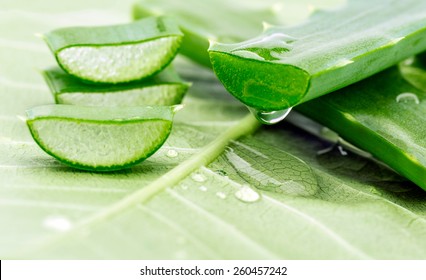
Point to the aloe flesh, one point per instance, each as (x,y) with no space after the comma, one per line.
(383,115)
(117,53)
(165,88)
(100,138)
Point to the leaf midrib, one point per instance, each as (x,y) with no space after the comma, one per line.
(211,151)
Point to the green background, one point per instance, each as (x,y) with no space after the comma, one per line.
(311,206)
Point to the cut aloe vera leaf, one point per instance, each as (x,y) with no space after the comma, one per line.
(100,138)
(286,66)
(118,53)
(165,88)
(224,21)
(383,115)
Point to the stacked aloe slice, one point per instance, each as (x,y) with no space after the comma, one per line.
(116,90)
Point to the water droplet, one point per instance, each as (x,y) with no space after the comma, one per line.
(197,177)
(272,117)
(247,194)
(268,41)
(202,188)
(58,223)
(342,151)
(407,97)
(172,153)
(221,195)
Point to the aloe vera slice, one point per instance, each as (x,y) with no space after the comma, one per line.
(116,54)
(383,115)
(100,138)
(286,66)
(165,88)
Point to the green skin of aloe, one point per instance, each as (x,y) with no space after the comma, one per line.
(165,88)
(286,66)
(118,130)
(100,138)
(118,53)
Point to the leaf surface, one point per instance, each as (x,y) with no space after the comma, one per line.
(383,115)
(311,206)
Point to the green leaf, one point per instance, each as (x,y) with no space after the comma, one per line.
(383,115)
(222,22)
(165,88)
(117,53)
(286,66)
(311,206)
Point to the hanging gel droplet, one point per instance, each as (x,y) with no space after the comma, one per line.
(407,97)
(272,117)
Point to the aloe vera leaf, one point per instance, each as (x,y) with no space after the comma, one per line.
(116,53)
(414,71)
(286,66)
(165,88)
(383,115)
(219,20)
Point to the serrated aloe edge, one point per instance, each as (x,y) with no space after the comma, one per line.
(118,53)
